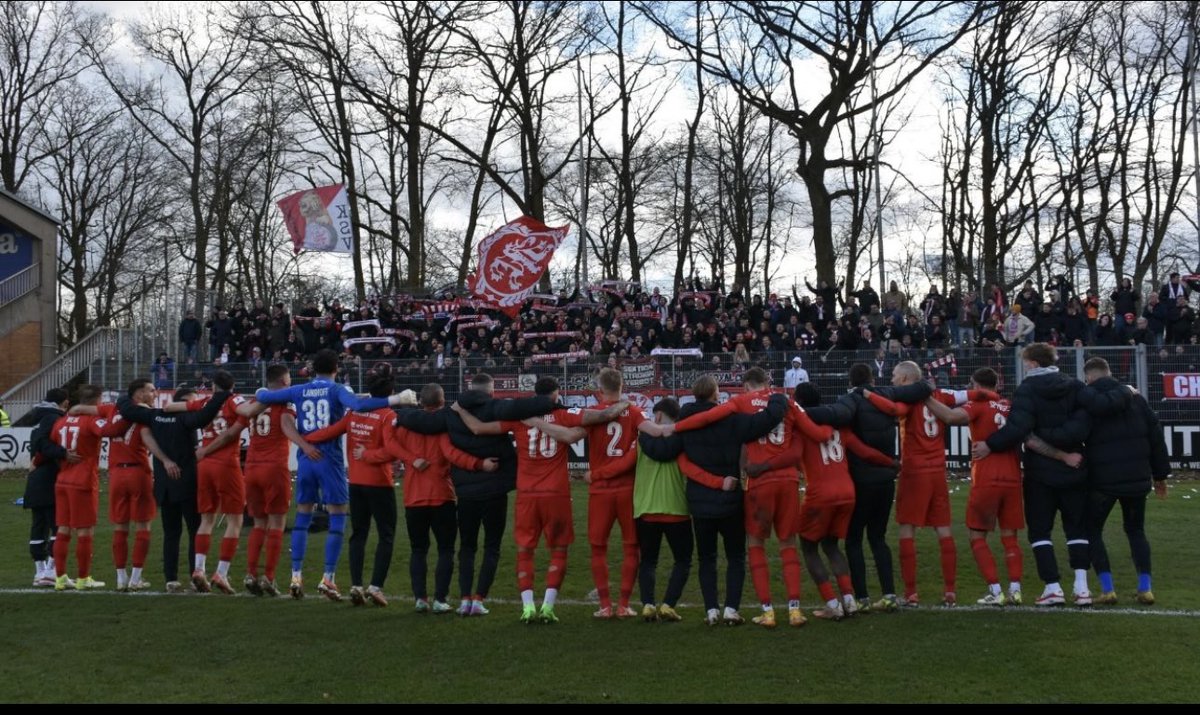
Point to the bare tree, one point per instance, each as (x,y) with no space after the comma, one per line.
(851,40)
(1121,139)
(186,110)
(39,52)
(104,179)
(1004,96)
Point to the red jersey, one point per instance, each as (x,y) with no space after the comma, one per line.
(228,417)
(431,486)
(612,450)
(998,469)
(81,434)
(923,441)
(268,443)
(541,459)
(827,471)
(127,447)
(373,430)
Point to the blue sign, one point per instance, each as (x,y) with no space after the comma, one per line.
(16,251)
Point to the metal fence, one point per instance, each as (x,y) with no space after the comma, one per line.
(1141,366)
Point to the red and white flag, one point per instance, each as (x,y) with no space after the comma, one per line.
(512,260)
(318,219)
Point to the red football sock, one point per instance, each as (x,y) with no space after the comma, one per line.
(600,575)
(759,574)
(949,562)
(229,546)
(141,547)
(985,561)
(62,547)
(629,572)
(845,585)
(908,565)
(826,590)
(83,554)
(120,548)
(203,542)
(274,548)
(524,570)
(791,572)
(1013,557)
(558,568)
(254,545)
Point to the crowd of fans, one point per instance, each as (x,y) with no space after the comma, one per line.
(731,330)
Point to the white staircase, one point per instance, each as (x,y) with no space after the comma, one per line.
(98,344)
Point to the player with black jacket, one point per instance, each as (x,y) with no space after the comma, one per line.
(711,461)
(1126,452)
(874,485)
(173,444)
(1049,405)
(482,496)
(39,487)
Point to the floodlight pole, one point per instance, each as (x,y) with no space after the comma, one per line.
(878,195)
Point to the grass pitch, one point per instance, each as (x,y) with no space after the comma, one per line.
(148,648)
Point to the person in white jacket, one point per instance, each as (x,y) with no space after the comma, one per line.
(1016,328)
(795,375)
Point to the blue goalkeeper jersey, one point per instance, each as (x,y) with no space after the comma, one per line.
(319,404)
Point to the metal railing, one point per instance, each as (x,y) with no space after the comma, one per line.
(103,344)
(655,377)
(20,284)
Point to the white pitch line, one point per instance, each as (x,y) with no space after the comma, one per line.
(401,598)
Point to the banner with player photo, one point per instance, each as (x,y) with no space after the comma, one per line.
(512,260)
(318,219)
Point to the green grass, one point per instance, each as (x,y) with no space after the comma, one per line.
(108,647)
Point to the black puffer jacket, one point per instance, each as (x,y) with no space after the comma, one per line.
(876,429)
(1046,404)
(477,486)
(39,487)
(1125,448)
(175,433)
(661,449)
(717,448)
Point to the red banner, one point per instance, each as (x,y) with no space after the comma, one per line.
(318,219)
(512,260)
(1181,386)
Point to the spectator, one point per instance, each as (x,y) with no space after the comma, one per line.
(1181,316)
(189,336)
(1046,323)
(935,334)
(895,299)
(741,356)
(1029,300)
(220,332)
(968,321)
(1156,314)
(1062,289)
(1091,310)
(163,372)
(795,375)
(1106,332)
(1017,329)
(1141,334)
(867,297)
(953,307)
(992,336)
(1074,324)
(1173,289)
(1125,302)
(825,292)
